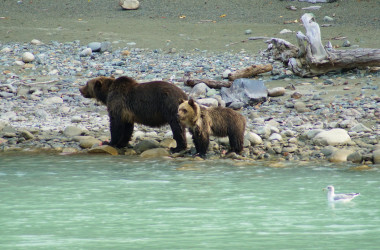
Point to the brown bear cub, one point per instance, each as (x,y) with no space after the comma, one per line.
(217,121)
(151,103)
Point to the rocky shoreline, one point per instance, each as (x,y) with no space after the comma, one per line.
(334,117)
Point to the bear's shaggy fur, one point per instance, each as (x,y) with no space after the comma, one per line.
(152,103)
(217,121)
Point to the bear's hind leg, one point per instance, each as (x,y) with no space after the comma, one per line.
(236,142)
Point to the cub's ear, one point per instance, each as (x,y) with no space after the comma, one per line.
(192,103)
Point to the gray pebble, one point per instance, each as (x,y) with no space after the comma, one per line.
(86,52)
(95,46)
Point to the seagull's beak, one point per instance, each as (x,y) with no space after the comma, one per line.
(324,189)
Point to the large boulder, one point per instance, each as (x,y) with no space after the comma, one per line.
(332,137)
(376,156)
(247,91)
(253,138)
(71,131)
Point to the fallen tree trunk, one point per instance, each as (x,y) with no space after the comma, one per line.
(312,58)
(210,83)
(250,71)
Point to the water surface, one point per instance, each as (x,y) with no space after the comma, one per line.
(98,202)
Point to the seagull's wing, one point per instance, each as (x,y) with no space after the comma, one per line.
(349,196)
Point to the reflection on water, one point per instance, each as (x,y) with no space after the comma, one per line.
(87,202)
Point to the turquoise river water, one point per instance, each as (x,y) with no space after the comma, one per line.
(100,202)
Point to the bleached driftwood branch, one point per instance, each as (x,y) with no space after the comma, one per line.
(311,58)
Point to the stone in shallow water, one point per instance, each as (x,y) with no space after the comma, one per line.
(146,145)
(340,155)
(155,152)
(376,156)
(69,151)
(168,143)
(105,149)
(355,157)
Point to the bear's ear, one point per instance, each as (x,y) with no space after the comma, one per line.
(180,101)
(98,84)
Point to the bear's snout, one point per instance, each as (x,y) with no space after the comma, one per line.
(84,92)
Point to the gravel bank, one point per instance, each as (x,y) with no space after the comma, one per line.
(334,117)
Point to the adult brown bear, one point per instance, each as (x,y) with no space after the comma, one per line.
(151,103)
(217,121)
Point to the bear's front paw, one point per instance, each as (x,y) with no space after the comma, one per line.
(199,155)
(115,145)
(177,149)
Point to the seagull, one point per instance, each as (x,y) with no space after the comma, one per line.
(332,197)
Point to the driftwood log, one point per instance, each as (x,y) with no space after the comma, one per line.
(311,58)
(210,83)
(250,71)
